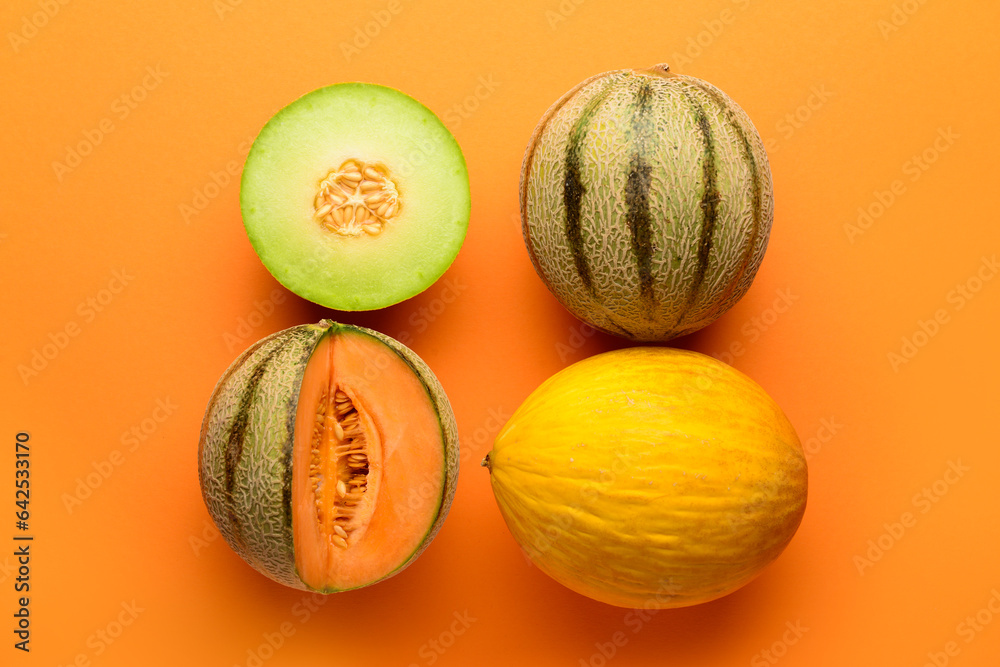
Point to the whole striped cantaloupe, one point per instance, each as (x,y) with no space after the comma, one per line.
(646,202)
(650,477)
(328,456)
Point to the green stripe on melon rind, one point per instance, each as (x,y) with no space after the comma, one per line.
(638,144)
(233,451)
(570,193)
(744,130)
(637,184)
(248,503)
(573,191)
(449,436)
(708,204)
(529,154)
(573,186)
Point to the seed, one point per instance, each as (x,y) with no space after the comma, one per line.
(340,531)
(375,198)
(323,210)
(370,186)
(351,176)
(391,211)
(372,228)
(360,214)
(373,174)
(383,209)
(338,430)
(349,166)
(339,215)
(341,488)
(347,187)
(340,541)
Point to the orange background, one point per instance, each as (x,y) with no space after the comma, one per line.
(865,95)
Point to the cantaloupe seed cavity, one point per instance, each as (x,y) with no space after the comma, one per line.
(339,471)
(357,198)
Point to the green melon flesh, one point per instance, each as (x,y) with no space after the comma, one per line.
(317,133)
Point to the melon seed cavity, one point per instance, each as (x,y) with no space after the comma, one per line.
(338,466)
(356,199)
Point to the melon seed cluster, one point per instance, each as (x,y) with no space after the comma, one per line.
(338,435)
(356,199)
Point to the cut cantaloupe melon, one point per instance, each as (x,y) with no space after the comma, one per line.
(328,456)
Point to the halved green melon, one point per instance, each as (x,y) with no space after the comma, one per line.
(328,456)
(355,196)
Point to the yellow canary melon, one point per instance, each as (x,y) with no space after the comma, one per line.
(650,477)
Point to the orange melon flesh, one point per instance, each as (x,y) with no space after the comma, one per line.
(403,464)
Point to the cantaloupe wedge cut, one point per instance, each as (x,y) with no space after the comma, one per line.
(369,463)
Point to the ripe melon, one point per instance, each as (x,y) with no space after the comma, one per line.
(328,456)
(646,202)
(355,196)
(650,477)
